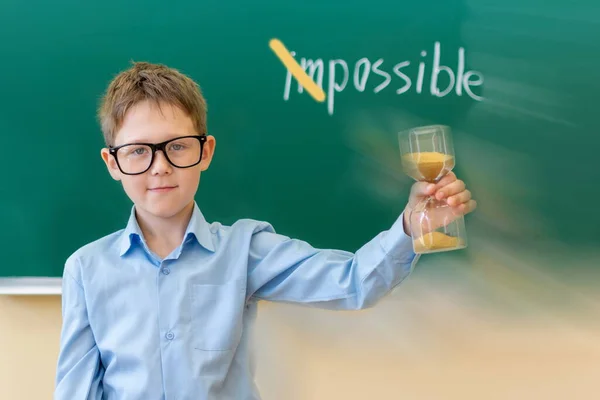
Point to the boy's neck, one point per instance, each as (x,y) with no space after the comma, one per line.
(163,235)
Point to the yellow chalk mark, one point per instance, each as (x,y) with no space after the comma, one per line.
(296,70)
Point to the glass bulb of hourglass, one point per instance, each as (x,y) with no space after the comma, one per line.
(427,155)
(427,152)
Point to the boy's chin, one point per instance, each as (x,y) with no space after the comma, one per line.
(164,210)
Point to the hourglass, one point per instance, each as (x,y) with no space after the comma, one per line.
(427,155)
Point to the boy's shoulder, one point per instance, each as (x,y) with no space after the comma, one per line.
(98,245)
(241,226)
(97,248)
(242,234)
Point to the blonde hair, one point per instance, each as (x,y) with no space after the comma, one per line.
(149,82)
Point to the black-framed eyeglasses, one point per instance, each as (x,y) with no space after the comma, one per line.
(137,158)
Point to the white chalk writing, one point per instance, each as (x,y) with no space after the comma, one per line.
(341,74)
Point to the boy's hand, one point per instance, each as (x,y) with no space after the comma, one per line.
(449,188)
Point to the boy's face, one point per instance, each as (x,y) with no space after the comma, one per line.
(164,190)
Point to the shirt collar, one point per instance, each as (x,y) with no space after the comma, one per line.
(198,229)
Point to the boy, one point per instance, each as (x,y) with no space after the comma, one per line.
(163,308)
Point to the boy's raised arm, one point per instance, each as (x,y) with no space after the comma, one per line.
(290,270)
(79,371)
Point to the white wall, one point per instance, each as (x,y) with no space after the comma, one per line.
(423,342)
(29,333)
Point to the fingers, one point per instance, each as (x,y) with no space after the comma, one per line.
(445,181)
(423,189)
(449,189)
(459,198)
(465,208)
(456,194)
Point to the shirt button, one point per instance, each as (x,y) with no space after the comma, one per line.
(166,271)
(170,335)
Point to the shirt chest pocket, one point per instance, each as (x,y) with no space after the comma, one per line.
(217,315)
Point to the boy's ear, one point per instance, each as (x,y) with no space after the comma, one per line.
(111,164)
(207,152)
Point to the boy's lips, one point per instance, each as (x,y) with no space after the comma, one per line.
(161,189)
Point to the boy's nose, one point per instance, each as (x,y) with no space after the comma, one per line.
(160,165)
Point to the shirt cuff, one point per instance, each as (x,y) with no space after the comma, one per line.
(397,244)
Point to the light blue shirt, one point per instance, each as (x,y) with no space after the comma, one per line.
(138,327)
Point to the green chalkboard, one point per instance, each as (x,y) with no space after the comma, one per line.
(517,81)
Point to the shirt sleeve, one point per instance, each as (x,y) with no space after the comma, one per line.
(79,371)
(290,270)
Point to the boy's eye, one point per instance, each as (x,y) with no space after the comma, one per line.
(137,151)
(176,146)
